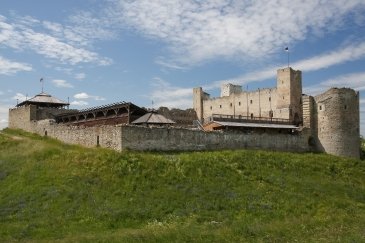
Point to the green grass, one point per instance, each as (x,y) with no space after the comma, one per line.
(52,191)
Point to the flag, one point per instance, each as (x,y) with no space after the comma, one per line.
(41,80)
(286,48)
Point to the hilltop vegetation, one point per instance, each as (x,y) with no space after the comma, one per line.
(53,191)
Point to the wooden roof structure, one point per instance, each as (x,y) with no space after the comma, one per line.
(220,122)
(153,118)
(111,114)
(44,100)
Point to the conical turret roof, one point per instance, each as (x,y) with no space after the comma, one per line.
(44,100)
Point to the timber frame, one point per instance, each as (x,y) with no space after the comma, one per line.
(111,114)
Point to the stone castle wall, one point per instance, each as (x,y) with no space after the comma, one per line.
(283,101)
(258,103)
(103,136)
(162,139)
(167,139)
(21,117)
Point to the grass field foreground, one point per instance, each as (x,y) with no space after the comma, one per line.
(54,191)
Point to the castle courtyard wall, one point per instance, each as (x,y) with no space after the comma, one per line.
(103,136)
(19,118)
(259,103)
(179,139)
(161,139)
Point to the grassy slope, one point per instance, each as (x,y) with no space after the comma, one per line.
(49,190)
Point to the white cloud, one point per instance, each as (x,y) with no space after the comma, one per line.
(198,31)
(62,83)
(341,55)
(89,27)
(80,76)
(84,95)
(164,94)
(4,111)
(353,80)
(8,67)
(51,47)
(354,51)
(20,97)
(168,64)
(81,96)
(64,48)
(79,103)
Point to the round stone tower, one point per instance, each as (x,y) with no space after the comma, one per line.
(337,122)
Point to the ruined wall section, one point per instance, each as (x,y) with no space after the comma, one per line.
(257,103)
(25,118)
(21,117)
(163,139)
(337,122)
(103,136)
(308,111)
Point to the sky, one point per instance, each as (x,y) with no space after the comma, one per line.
(153,52)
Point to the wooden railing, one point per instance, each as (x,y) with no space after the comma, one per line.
(249,119)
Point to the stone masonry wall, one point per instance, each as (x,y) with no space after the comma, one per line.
(166,139)
(258,103)
(337,122)
(308,110)
(20,117)
(103,136)
(163,139)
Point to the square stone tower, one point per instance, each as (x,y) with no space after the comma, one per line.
(289,94)
(198,97)
(228,89)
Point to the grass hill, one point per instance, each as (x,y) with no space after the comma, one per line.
(52,191)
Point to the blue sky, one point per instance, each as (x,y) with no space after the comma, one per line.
(95,52)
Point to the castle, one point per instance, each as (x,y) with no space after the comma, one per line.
(331,119)
(278,118)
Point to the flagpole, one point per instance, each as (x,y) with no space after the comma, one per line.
(287,50)
(42,81)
